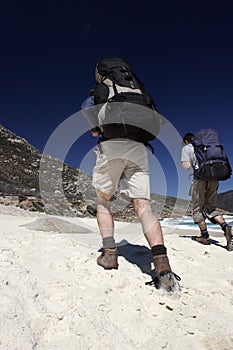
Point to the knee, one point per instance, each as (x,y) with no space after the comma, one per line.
(103,199)
(141,206)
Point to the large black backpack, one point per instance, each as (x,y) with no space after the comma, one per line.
(212,160)
(125,108)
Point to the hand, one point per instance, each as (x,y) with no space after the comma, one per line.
(95,133)
(186,165)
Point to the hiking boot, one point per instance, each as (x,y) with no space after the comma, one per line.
(108,259)
(167,279)
(202,240)
(229,237)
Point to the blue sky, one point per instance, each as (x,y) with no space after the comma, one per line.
(181,50)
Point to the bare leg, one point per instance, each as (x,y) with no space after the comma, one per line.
(108,259)
(104,217)
(153,232)
(219,219)
(150,224)
(227,231)
(202,225)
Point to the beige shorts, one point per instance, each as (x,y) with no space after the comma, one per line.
(122,165)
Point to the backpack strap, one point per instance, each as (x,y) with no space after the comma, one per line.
(149,100)
(147,144)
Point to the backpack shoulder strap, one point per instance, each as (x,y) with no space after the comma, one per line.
(147,144)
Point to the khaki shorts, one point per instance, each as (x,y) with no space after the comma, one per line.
(122,165)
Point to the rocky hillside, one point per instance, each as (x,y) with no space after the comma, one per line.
(23,167)
(225,200)
(34,181)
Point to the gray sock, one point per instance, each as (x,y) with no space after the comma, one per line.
(109,242)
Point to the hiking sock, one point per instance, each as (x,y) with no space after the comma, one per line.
(159,249)
(109,242)
(205,234)
(224,226)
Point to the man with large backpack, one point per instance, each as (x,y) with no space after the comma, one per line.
(207,157)
(128,120)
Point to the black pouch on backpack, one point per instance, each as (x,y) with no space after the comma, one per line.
(127,110)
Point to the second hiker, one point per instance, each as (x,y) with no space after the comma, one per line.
(204,192)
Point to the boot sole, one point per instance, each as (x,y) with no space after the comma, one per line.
(229,238)
(230,246)
(204,242)
(109,268)
(169,283)
(106,267)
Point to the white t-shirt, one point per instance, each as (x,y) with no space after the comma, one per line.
(187,155)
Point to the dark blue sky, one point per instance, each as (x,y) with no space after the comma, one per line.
(181,50)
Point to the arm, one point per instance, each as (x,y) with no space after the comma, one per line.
(88,111)
(185,158)
(186,165)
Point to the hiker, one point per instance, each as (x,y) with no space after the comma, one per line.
(204,197)
(124,161)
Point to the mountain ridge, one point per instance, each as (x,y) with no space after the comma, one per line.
(39,182)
